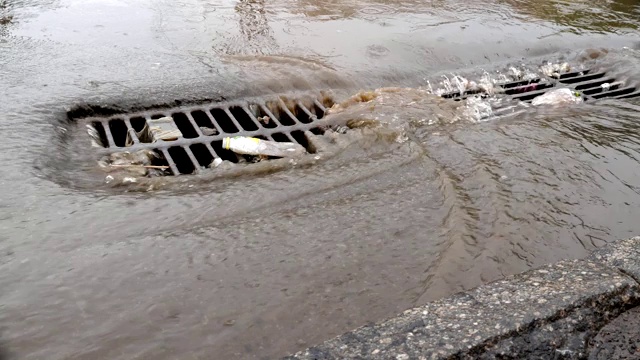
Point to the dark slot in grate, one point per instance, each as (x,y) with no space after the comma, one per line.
(592,83)
(137,123)
(182,122)
(280,137)
(586,77)
(615,93)
(574,74)
(301,139)
(224,121)
(118,131)
(204,155)
(629,96)
(243,118)
(182,160)
(531,87)
(599,89)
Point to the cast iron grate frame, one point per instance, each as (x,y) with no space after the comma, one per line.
(281,118)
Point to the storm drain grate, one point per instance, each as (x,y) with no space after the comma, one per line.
(590,83)
(202,129)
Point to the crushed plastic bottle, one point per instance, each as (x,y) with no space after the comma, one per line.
(558,97)
(255,146)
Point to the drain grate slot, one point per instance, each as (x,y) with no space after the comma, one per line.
(181,159)
(280,137)
(184,125)
(592,83)
(615,93)
(629,96)
(573,74)
(303,114)
(118,130)
(599,89)
(513,84)
(138,123)
(533,86)
(226,124)
(203,154)
(241,118)
(321,109)
(301,139)
(583,78)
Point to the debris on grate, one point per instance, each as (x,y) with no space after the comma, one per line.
(187,140)
(553,84)
(590,83)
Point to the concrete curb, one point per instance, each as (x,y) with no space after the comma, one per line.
(551,312)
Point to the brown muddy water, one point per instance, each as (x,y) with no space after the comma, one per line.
(255,267)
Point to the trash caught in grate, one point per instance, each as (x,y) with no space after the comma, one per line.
(185,140)
(590,84)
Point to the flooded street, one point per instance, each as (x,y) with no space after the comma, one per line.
(429,203)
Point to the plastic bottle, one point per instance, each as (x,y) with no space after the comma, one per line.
(558,97)
(255,146)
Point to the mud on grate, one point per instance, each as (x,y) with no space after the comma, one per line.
(202,129)
(592,84)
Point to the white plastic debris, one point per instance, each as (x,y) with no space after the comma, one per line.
(217,162)
(558,97)
(255,146)
(554,70)
(96,141)
(605,86)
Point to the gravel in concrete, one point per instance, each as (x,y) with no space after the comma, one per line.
(620,339)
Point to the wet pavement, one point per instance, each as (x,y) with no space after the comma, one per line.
(262,266)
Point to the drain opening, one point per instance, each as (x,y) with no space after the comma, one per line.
(182,160)
(305,115)
(534,86)
(203,121)
(202,154)
(280,137)
(224,121)
(593,83)
(184,125)
(243,118)
(118,131)
(615,92)
(579,78)
(317,131)
(138,123)
(301,139)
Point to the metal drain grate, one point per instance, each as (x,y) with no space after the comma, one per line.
(203,128)
(592,84)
